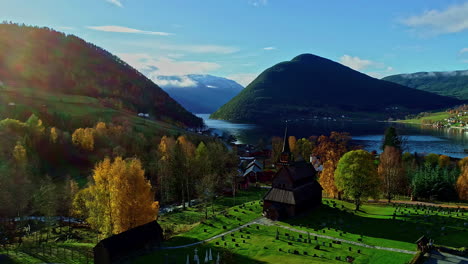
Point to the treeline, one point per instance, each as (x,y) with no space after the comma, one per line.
(349,172)
(42,167)
(47,60)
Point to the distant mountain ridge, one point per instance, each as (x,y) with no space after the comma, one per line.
(200,93)
(310,85)
(448,83)
(49,61)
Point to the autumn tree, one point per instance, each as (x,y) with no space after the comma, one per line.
(186,168)
(391,172)
(462,181)
(276,148)
(120,197)
(292,144)
(330,149)
(84,138)
(53,135)
(444,161)
(356,176)
(304,148)
(165,156)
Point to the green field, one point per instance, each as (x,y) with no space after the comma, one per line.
(394,227)
(433,117)
(20,103)
(374,225)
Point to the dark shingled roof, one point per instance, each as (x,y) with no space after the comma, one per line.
(298,195)
(133,239)
(301,170)
(280,195)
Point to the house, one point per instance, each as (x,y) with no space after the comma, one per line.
(118,248)
(295,188)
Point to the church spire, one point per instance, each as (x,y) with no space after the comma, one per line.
(286,147)
(285,157)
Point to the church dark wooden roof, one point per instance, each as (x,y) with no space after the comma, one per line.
(295,196)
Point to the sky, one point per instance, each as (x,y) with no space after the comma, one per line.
(238,39)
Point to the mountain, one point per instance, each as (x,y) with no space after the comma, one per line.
(48,61)
(200,93)
(310,85)
(449,83)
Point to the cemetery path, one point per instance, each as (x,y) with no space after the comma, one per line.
(215,237)
(347,241)
(436,257)
(267,222)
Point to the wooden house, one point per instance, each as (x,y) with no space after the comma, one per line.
(295,188)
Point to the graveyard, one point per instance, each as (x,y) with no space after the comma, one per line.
(333,233)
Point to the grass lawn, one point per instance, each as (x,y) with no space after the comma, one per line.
(260,245)
(434,117)
(374,225)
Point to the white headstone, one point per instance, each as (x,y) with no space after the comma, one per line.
(195,257)
(218,259)
(210,257)
(188,260)
(206,257)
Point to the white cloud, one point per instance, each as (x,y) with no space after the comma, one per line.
(115,2)
(269,48)
(180,82)
(258,2)
(154,67)
(355,63)
(450,20)
(243,79)
(464,50)
(371,68)
(120,29)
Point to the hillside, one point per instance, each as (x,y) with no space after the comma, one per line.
(451,83)
(49,61)
(200,93)
(310,85)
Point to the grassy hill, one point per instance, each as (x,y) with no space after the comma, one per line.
(49,61)
(309,85)
(453,83)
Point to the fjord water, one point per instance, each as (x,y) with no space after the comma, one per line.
(421,139)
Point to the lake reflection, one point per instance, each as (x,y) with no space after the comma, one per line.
(451,142)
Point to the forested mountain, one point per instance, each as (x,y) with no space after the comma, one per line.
(310,85)
(49,61)
(449,83)
(200,93)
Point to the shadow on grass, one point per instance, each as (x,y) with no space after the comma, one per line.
(444,230)
(180,255)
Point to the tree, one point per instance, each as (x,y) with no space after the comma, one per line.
(330,150)
(431,159)
(356,176)
(304,148)
(120,197)
(391,172)
(462,181)
(53,135)
(444,161)
(292,144)
(276,148)
(84,138)
(165,178)
(188,150)
(392,139)
(327,179)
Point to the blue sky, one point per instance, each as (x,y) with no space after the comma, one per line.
(239,39)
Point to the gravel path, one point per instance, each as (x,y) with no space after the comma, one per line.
(266,222)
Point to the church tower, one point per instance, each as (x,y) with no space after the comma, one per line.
(286,157)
